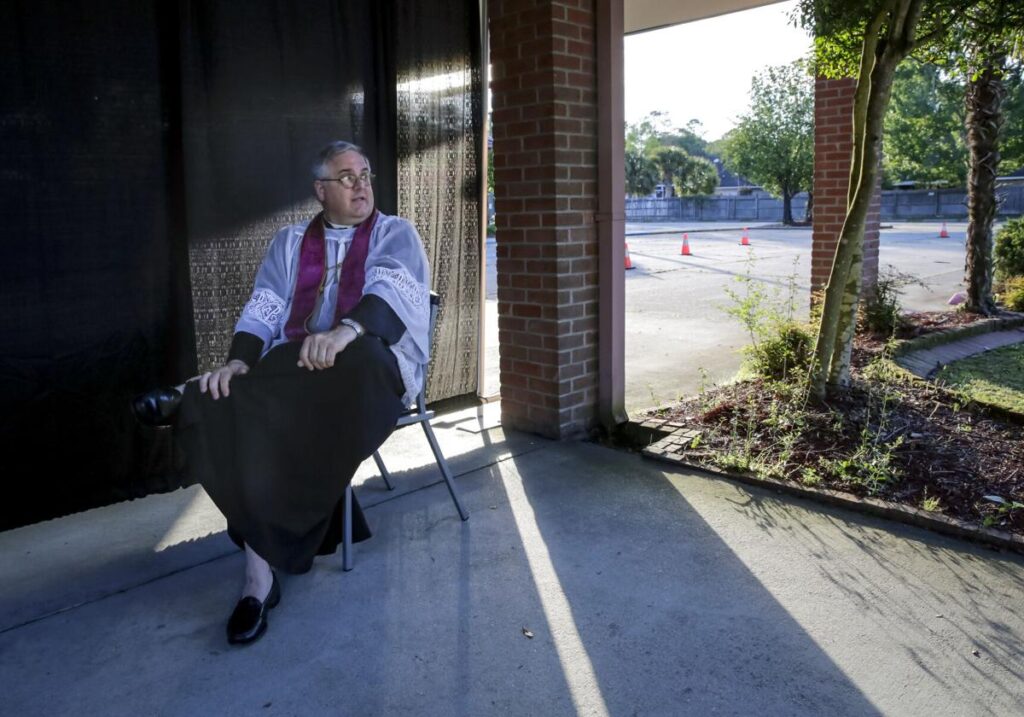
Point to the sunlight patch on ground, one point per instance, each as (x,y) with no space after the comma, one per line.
(576,664)
(193,522)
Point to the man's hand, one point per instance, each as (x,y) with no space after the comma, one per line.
(217,380)
(318,350)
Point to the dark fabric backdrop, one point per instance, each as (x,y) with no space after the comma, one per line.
(439,155)
(149,150)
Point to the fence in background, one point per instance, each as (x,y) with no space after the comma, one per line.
(897,205)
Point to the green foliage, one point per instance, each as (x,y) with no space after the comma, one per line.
(658,152)
(773,143)
(671,161)
(880,312)
(1012,293)
(699,176)
(924,127)
(641,173)
(780,347)
(1005,509)
(782,353)
(1009,249)
(1011,139)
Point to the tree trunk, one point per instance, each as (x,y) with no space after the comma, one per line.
(787,207)
(842,292)
(984,117)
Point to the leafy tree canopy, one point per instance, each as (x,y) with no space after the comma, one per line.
(924,128)
(773,143)
(657,152)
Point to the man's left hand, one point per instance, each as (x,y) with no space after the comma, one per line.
(318,350)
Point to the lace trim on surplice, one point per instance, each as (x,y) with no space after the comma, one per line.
(403,282)
(266,307)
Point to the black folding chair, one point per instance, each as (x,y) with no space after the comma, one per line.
(417,414)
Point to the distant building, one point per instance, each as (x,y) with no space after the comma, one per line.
(1013,178)
(732,185)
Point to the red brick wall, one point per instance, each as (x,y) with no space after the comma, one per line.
(545,174)
(833,151)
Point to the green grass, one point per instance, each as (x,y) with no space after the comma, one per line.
(995,377)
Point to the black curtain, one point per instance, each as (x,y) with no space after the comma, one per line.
(149,151)
(93,281)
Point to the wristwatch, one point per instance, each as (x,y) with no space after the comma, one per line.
(355,326)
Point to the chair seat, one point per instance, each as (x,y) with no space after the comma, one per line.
(413,416)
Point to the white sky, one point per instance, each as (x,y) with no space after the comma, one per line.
(703,69)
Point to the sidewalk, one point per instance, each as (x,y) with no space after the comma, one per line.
(927,362)
(587,581)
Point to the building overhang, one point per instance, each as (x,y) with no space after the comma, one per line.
(644,15)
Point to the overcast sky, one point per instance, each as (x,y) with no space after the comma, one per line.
(703,69)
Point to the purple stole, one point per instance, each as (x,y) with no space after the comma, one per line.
(312,275)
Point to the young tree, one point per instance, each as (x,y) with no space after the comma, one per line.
(885,31)
(773,144)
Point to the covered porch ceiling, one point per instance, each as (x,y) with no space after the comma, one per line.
(643,15)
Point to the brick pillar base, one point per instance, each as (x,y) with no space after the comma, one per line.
(833,153)
(544,123)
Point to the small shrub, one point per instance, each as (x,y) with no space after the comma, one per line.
(1012,293)
(780,355)
(1009,249)
(880,312)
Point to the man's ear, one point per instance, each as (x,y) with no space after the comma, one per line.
(319,190)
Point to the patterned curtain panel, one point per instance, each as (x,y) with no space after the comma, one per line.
(439,96)
(263,89)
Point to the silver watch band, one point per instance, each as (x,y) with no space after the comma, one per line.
(355,326)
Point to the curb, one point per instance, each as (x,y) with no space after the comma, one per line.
(701,230)
(665,450)
(1011,320)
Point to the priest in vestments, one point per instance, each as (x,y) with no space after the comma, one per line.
(328,352)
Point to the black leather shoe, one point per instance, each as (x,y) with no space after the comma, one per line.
(248,622)
(157,407)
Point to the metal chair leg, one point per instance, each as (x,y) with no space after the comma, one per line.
(346,531)
(445,471)
(383,471)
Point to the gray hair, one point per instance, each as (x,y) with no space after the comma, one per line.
(330,152)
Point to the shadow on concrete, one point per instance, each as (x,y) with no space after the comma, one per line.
(586,581)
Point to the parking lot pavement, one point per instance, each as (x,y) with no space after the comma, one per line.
(678,330)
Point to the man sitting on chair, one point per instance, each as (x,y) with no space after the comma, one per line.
(327,354)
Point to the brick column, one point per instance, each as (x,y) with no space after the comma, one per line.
(833,153)
(545,174)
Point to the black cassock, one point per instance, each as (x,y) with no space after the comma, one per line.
(277,453)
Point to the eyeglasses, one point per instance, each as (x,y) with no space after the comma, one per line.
(349,181)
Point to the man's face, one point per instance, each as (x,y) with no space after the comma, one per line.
(343,205)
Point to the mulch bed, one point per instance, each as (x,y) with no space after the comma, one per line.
(966,458)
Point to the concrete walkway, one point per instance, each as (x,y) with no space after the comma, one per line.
(587,581)
(926,362)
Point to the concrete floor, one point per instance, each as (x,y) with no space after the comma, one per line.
(647,591)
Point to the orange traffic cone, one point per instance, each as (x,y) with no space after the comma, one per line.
(629,263)
(685,251)
(745,241)
(943,234)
